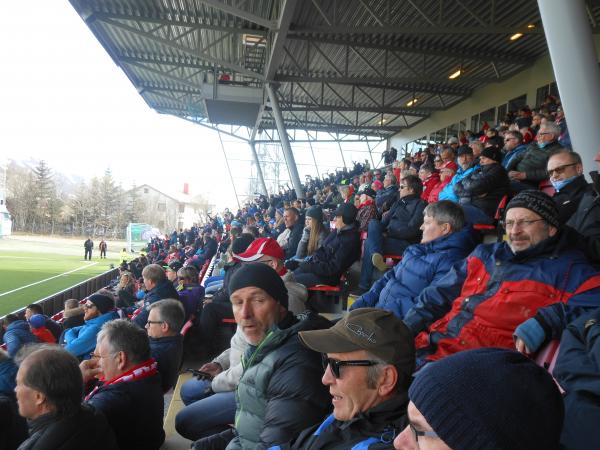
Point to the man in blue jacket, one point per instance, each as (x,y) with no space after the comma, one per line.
(445,241)
(16,334)
(466,165)
(398,229)
(99,309)
(158,287)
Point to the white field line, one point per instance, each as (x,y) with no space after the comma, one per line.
(28,257)
(47,279)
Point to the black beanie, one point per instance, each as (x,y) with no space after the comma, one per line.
(261,276)
(347,211)
(490,398)
(315,212)
(492,153)
(539,203)
(103,302)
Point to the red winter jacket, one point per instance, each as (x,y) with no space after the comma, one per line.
(428,185)
(482,300)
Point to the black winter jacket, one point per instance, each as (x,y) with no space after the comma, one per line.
(339,251)
(88,429)
(568,198)
(586,219)
(405,218)
(578,373)
(483,188)
(134,410)
(374,429)
(294,239)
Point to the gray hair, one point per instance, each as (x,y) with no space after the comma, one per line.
(552,128)
(392,178)
(54,372)
(154,272)
(124,336)
(374,372)
(171,312)
(575,157)
(446,211)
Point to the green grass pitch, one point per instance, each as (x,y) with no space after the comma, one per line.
(47,273)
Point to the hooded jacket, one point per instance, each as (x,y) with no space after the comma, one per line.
(18,334)
(533,161)
(484,298)
(280,392)
(421,266)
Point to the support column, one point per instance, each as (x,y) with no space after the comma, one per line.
(285,142)
(342,153)
(313,155)
(575,65)
(261,178)
(237,199)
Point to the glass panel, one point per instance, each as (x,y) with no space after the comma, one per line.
(517,102)
(488,116)
(475,123)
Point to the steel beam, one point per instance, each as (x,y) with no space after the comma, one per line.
(242,14)
(285,143)
(259,172)
(411,30)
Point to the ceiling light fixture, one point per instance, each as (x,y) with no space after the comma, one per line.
(516,36)
(456,74)
(412,102)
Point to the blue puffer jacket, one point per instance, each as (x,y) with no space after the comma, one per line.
(421,265)
(18,334)
(448,191)
(8,373)
(81,341)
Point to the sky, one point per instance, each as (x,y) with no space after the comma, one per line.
(64,100)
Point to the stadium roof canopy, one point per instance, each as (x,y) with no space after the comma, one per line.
(361,67)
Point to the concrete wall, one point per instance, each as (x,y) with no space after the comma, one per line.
(525,82)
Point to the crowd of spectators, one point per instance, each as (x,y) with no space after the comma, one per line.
(437,349)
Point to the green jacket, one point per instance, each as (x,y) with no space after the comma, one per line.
(280,392)
(533,161)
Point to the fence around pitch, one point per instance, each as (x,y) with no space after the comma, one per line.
(55,302)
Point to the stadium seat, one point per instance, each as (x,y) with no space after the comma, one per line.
(325,299)
(547,188)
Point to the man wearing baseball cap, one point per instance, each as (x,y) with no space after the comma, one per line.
(482,301)
(368,360)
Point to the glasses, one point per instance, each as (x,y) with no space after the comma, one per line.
(560,169)
(89,305)
(336,364)
(402,186)
(509,139)
(544,133)
(96,356)
(520,223)
(437,160)
(150,322)
(417,434)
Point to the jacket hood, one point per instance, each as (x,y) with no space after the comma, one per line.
(463,239)
(8,373)
(21,325)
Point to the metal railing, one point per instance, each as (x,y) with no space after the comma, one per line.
(55,302)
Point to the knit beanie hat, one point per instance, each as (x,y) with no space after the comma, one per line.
(492,153)
(347,211)
(37,321)
(261,276)
(103,302)
(538,202)
(315,212)
(490,398)
(241,243)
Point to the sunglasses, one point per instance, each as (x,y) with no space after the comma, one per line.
(89,305)
(335,364)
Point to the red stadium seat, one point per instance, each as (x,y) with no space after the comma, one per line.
(547,188)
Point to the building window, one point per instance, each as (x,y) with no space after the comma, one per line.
(162,207)
(488,116)
(146,190)
(475,123)
(517,103)
(181,207)
(161,224)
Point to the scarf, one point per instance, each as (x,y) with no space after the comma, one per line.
(143,370)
